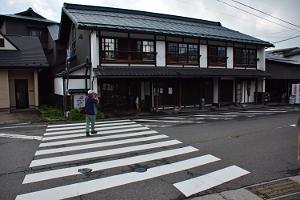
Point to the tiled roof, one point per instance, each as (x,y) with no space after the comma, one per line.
(30,53)
(168,72)
(14,16)
(93,17)
(276,58)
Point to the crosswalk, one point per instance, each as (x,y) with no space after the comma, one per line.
(65,152)
(200,118)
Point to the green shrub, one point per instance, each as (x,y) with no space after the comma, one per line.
(75,115)
(51,113)
(100,115)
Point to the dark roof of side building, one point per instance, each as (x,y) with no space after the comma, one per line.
(282,68)
(276,58)
(94,17)
(29,14)
(287,52)
(29,53)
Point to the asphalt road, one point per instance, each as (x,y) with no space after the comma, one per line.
(263,144)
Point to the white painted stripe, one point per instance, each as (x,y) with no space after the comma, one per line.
(17,136)
(207,181)
(50,144)
(264,111)
(163,121)
(70,171)
(99,133)
(82,123)
(97,129)
(96,125)
(98,145)
(156,126)
(86,187)
(99,154)
(219,115)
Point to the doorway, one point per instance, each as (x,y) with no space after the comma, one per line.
(226,92)
(21,93)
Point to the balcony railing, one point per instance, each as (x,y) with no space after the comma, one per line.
(131,57)
(217,61)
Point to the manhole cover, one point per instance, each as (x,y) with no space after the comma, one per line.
(140,169)
(275,189)
(85,171)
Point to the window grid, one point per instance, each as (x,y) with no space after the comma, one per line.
(245,58)
(217,56)
(182,53)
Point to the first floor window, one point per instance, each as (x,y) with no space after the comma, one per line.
(182,53)
(245,57)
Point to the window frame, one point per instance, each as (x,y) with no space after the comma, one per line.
(216,63)
(2,42)
(135,54)
(185,54)
(248,59)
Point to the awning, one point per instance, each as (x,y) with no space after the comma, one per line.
(175,72)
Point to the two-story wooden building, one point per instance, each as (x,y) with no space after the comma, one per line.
(33,38)
(164,60)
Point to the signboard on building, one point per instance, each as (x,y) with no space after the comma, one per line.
(79,100)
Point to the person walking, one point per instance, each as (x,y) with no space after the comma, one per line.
(91,102)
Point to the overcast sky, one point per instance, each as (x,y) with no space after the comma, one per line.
(212,10)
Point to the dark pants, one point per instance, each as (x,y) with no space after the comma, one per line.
(90,120)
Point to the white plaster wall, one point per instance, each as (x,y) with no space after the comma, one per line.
(77,84)
(7,45)
(95,52)
(58,86)
(252,91)
(230,57)
(216,90)
(261,63)
(161,53)
(36,88)
(203,57)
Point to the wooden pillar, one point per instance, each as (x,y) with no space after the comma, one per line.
(157,94)
(180,94)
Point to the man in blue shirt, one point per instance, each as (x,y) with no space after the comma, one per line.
(91,102)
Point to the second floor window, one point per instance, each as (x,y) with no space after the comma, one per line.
(245,57)
(109,48)
(182,53)
(124,50)
(216,56)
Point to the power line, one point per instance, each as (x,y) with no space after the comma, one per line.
(286,39)
(265,13)
(256,15)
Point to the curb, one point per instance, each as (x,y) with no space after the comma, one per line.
(243,193)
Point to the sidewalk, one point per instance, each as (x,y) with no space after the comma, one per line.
(281,189)
(192,110)
(26,116)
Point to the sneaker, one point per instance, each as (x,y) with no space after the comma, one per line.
(94,132)
(87,134)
